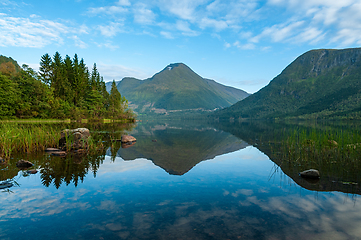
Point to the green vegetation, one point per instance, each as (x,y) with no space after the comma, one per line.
(63,88)
(18,138)
(175,88)
(54,170)
(318,84)
(329,150)
(333,148)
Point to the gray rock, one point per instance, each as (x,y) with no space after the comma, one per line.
(78,137)
(311,173)
(80,132)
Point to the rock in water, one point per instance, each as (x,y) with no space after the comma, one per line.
(128,139)
(81,132)
(24,164)
(311,173)
(59,153)
(78,137)
(52,150)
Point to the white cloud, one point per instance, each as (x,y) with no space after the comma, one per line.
(110,30)
(79,43)
(247,46)
(278,21)
(218,25)
(118,72)
(185,9)
(279,32)
(107,10)
(8,3)
(108,45)
(311,35)
(143,15)
(338,21)
(167,35)
(184,27)
(124,3)
(25,32)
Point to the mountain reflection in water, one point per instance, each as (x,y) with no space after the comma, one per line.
(127,193)
(178,150)
(339,172)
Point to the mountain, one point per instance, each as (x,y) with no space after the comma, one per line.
(320,83)
(177,88)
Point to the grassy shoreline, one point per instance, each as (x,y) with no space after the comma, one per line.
(34,135)
(15,137)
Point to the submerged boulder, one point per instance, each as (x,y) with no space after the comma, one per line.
(24,164)
(311,173)
(128,139)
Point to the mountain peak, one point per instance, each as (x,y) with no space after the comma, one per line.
(174,65)
(177,88)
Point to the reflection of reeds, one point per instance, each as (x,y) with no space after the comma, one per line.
(333,152)
(15,137)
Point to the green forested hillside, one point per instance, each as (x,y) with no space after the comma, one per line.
(177,87)
(318,84)
(63,88)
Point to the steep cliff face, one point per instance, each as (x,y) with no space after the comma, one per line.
(319,83)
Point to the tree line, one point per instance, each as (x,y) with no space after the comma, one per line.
(63,88)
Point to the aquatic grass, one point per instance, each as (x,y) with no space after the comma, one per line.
(18,138)
(335,152)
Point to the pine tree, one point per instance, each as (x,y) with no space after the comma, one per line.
(60,81)
(46,69)
(115,106)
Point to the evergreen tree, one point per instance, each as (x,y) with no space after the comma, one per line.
(69,79)
(115,107)
(46,69)
(60,82)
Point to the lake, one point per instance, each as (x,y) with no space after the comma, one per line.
(185,180)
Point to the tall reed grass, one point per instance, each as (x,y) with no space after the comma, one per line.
(30,138)
(331,151)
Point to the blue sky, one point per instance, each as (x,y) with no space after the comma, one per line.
(239,43)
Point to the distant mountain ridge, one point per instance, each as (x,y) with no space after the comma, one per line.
(321,83)
(177,88)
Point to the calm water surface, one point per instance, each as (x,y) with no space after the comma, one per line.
(190,182)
